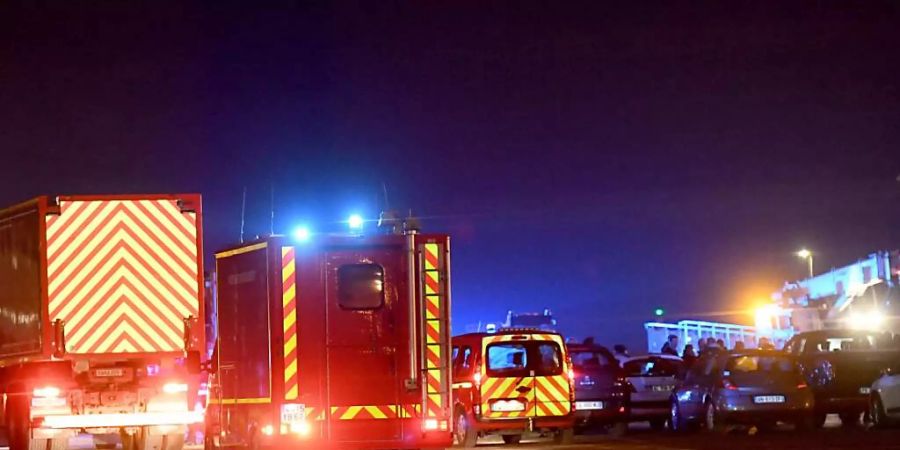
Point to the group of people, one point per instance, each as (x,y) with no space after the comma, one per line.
(710,344)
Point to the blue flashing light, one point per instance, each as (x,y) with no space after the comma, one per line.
(302,234)
(355,221)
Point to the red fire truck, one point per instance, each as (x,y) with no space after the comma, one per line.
(342,341)
(100,329)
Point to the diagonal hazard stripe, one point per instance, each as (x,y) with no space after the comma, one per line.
(166,329)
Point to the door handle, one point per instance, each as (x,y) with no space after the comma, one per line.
(523,389)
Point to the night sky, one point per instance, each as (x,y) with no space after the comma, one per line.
(598,158)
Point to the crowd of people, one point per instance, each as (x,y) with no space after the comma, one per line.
(710,344)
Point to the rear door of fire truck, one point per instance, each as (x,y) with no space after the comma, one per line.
(365,295)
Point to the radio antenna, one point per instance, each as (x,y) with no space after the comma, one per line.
(271,208)
(243,212)
(387,206)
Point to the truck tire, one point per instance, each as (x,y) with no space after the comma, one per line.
(512,439)
(464,434)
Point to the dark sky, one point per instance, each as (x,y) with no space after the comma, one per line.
(597,158)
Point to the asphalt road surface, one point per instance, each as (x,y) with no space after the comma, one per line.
(641,438)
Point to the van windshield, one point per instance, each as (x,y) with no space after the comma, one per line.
(520,358)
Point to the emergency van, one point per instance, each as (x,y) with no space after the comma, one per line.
(511,382)
(339,341)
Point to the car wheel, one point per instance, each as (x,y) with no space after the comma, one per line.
(512,439)
(564,436)
(819,420)
(712,420)
(676,423)
(849,420)
(877,413)
(658,424)
(466,437)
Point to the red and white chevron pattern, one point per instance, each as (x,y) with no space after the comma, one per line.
(122,274)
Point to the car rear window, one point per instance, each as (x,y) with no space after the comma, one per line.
(520,358)
(591,359)
(653,367)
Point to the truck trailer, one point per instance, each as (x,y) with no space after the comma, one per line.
(342,341)
(100,319)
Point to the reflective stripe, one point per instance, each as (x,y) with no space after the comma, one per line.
(289,308)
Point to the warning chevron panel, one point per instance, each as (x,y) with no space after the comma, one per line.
(122,274)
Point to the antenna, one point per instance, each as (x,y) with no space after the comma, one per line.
(243,212)
(384,189)
(271,208)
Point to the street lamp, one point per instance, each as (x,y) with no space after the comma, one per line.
(808,256)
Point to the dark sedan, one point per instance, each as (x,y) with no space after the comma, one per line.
(742,388)
(601,390)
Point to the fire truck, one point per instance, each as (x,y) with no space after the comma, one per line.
(100,319)
(341,341)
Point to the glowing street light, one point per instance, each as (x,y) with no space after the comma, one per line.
(302,234)
(355,221)
(808,256)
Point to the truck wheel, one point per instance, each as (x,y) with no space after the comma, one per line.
(512,439)
(17,426)
(466,437)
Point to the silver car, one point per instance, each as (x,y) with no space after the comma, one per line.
(653,377)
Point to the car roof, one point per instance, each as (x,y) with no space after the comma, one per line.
(579,347)
(507,332)
(651,356)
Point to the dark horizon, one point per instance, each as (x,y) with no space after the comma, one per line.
(599,159)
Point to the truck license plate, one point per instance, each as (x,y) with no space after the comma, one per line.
(109,373)
(293,413)
(583,406)
(663,388)
(768,399)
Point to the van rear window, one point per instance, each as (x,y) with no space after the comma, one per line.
(520,358)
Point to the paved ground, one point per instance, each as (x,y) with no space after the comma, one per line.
(641,438)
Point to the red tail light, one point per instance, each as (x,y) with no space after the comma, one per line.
(801,385)
(728,384)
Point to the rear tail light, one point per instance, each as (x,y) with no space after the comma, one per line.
(47,392)
(728,384)
(174,388)
(801,385)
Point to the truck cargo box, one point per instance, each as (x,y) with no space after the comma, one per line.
(107,275)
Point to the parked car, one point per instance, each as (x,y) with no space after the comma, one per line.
(510,382)
(840,367)
(884,400)
(602,393)
(653,377)
(755,387)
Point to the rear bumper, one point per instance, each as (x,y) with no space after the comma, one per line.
(76,421)
(612,411)
(526,424)
(854,403)
(649,410)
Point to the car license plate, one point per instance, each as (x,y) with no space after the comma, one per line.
(583,406)
(865,390)
(768,399)
(663,388)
